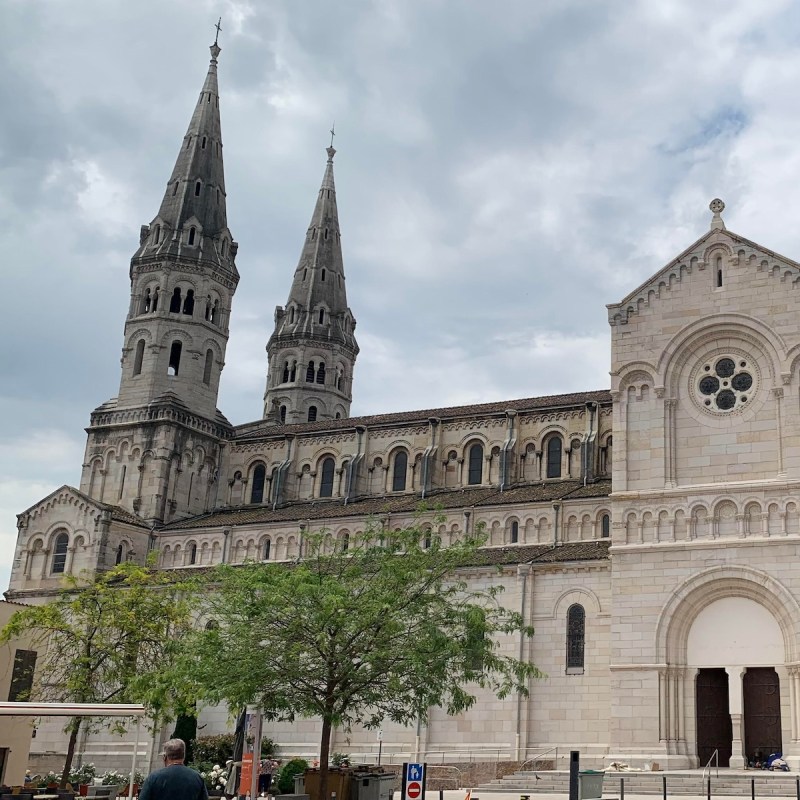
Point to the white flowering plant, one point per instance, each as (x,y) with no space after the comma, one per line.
(216,777)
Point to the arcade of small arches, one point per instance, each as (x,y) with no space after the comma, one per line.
(191,232)
(177,346)
(724,519)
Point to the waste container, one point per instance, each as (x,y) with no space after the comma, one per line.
(372,786)
(590,784)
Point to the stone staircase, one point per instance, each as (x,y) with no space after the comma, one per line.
(685,782)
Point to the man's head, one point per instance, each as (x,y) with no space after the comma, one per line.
(174,751)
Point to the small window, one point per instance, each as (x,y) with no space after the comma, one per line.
(283,415)
(321,372)
(174,359)
(338,415)
(719,277)
(203,144)
(326,233)
(605,526)
(192,233)
(224,241)
(576,628)
(322,277)
(197,187)
(293,372)
(207,369)
(188,142)
(193,553)
(157,236)
(22,676)
(399,471)
(427,541)
(291,314)
(321,316)
(514,532)
(326,481)
(345,542)
(267,549)
(147,301)
(175,301)
(285,372)
(175,188)
(120,552)
(554,457)
(312,413)
(137,361)
(215,313)
(475,468)
(259,479)
(310,372)
(60,554)
(154,306)
(188,303)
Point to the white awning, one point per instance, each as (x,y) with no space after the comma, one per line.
(71,710)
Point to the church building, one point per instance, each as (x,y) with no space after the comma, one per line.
(647,531)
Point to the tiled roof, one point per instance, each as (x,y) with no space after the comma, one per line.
(266,428)
(405,503)
(543,553)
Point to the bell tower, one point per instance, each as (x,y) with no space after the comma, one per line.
(153,449)
(313,350)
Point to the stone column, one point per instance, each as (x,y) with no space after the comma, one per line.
(735,702)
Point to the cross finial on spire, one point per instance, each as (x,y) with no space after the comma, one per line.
(716,206)
(218,26)
(333,132)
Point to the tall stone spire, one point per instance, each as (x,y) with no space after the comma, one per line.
(313,350)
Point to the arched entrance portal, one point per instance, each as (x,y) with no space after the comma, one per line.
(727,639)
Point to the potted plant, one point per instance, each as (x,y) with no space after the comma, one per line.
(138,780)
(216,780)
(82,777)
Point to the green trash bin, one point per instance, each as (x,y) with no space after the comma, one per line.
(590,784)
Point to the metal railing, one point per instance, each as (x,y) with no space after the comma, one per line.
(707,767)
(537,759)
(455,775)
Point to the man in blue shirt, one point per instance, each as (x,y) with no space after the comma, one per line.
(174,781)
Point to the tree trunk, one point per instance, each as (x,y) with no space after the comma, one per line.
(75,727)
(324,754)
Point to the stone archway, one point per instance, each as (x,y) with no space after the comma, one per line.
(709,623)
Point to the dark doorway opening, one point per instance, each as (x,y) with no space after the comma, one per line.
(714,730)
(762,712)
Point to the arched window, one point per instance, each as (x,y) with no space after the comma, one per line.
(321,316)
(138,358)
(193,553)
(345,542)
(514,532)
(321,372)
(60,554)
(146,301)
(576,631)
(192,232)
(259,479)
(267,548)
(554,457)
(188,303)
(338,415)
(207,368)
(215,312)
(285,372)
(175,301)
(157,236)
(605,526)
(120,552)
(291,314)
(322,275)
(283,415)
(154,306)
(475,470)
(197,187)
(310,372)
(326,481)
(174,359)
(399,472)
(293,372)
(312,413)
(427,541)
(339,379)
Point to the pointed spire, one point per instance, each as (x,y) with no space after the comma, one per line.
(195,194)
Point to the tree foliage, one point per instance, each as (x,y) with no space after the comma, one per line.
(106,640)
(382,630)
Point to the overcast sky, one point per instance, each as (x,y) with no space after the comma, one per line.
(504,170)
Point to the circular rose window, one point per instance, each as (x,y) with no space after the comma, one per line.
(725,383)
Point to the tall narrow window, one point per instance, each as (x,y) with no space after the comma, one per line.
(118,559)
(22,676)
(293,372)
(158,234)
(305,274)
(175,301)
(605,526)
(197,188)
(203,144)
(192,232)
(312,413)
(60,553)
(291,315)
(326,481)
(345,542)
(207,367)
(146,302)
(267,548)
(259,479)
(286,372)
(215,313)
(321,372)
(138,358)
(154,307)
(514,532)
(576,631)
(175,188)
(321,316)
(174,359)
(310,372)
(283,415)
(399,472)
(554,457)
(322,276)
(188,303)
(192,553)
(475,469)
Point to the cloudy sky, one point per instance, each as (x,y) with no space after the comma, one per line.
(505,169)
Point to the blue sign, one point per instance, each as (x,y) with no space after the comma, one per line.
(414,772)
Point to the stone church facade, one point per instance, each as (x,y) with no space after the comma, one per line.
(648,531)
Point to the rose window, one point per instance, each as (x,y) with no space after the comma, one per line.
(725,384)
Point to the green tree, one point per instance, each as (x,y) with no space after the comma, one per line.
(383,628)
(107,639)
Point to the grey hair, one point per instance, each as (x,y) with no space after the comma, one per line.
(175,750)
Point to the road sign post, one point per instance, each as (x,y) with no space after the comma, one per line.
(414,776)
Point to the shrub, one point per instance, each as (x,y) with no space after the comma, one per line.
(297,766)
(214,749)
